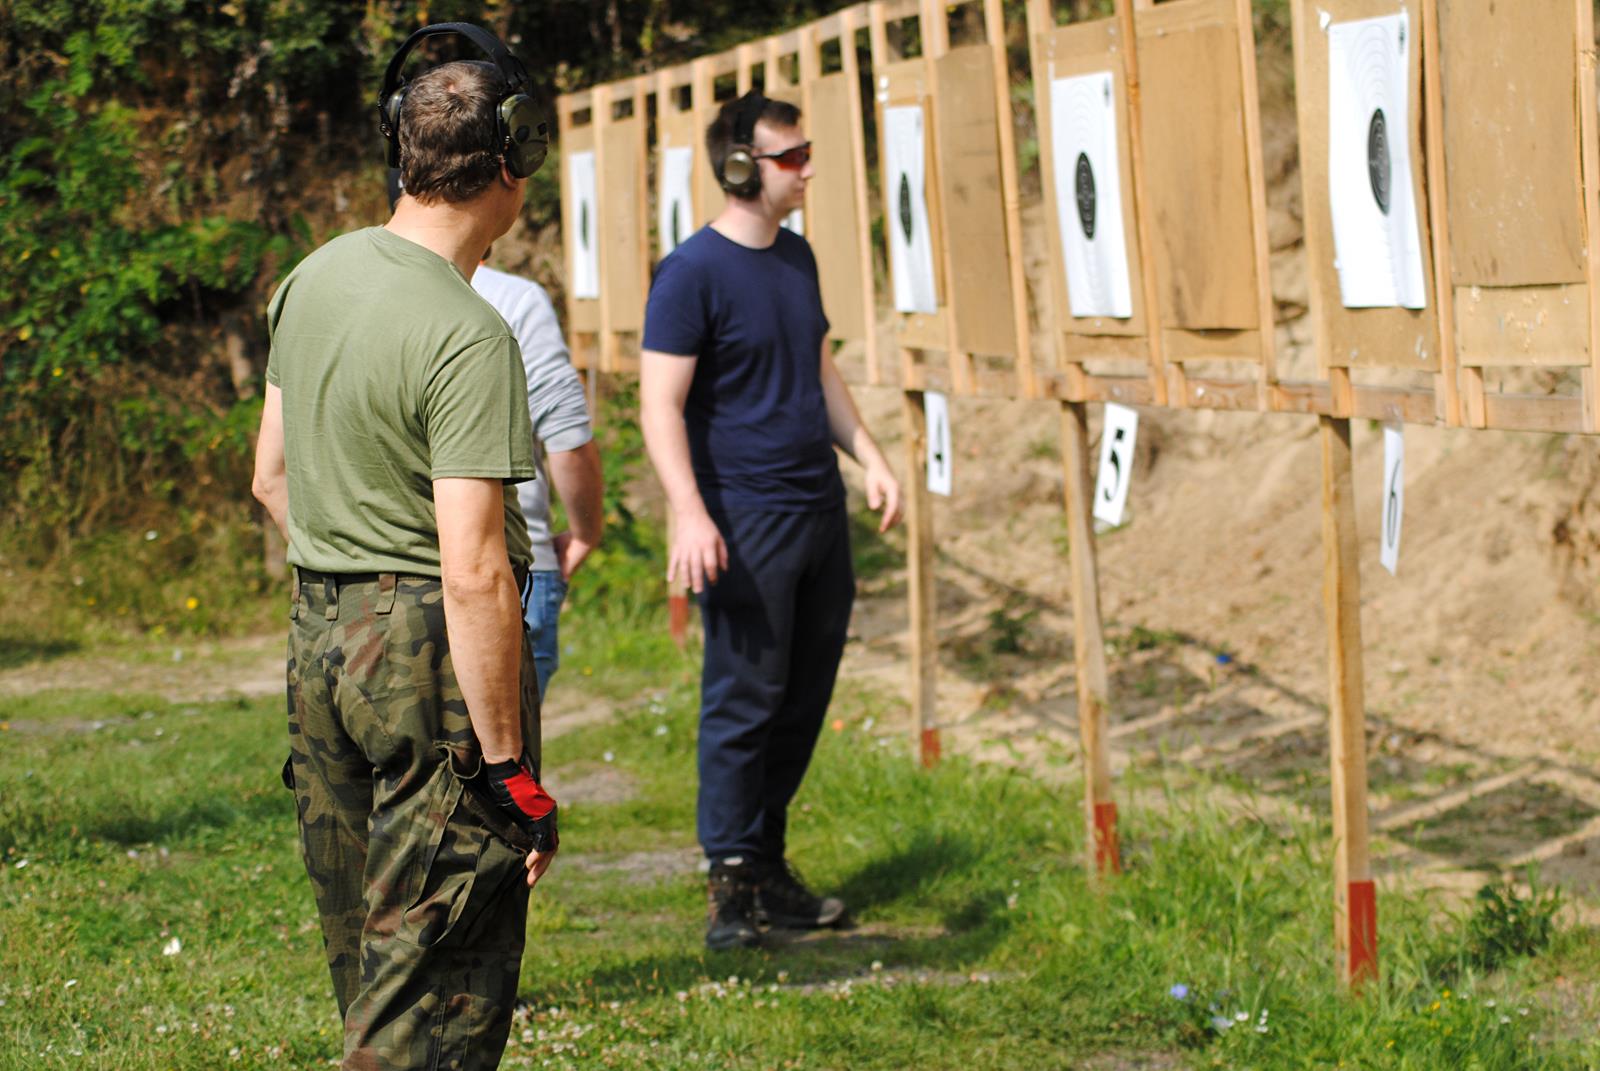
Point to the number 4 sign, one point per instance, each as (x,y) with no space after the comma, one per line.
(1116,463)
(1394,496)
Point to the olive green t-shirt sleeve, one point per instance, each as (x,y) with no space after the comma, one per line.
(475,414)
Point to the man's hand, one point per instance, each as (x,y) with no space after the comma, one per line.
(883,492)
(698,554)
(570,553)
(538,863)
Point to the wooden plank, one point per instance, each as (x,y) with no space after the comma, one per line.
(1355,925)
(622,245)
(1512,151)
(1589,154)
(1124,390)
(1222,394)
(1149,284)
(1201,204)
(1521,412)
(1088,644)
(1301,398)
(583,314)
(980,294)
(1266,307)
(933,25)
(1380,337)
(1010,194)
(1395,405)
(1523,326)
(852,19)
(1448,379)
(1040,24)
(708,196)
(920,581)
(833,226)
(1182,345)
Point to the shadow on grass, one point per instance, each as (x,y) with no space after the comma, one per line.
(17,651)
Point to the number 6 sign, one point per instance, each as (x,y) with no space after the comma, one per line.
(1116,463)
(1394,496)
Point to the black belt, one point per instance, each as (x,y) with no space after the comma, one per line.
(312,576)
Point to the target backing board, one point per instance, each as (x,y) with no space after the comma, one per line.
(1392,336)
(1088,181)
(795,221)
(585,243)
(1375,235)
(674,200)
(910,239)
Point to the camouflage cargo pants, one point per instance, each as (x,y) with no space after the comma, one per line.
(420,884)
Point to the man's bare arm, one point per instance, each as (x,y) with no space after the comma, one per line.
(698,554)
(852,436)
(482,614)
(271,483)
(576,477)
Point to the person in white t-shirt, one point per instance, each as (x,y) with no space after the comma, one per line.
(565,451)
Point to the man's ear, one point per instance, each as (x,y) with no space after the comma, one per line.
(506,176)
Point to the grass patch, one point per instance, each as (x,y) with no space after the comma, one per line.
(981,944)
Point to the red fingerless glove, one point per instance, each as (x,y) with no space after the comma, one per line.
(525,800)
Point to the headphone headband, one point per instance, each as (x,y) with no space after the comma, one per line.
(523,135)
(515,72)
(745,118)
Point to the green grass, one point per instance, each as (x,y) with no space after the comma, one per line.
(981,943)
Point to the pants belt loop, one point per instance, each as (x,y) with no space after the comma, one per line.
(294,598)
(330,592)
(386,585)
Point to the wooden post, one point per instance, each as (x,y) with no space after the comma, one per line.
(1011,195)
(1589,151)
(1448,388)
(851,21)
(1088,644)
(1141,212)
(1355,900)
(919,581)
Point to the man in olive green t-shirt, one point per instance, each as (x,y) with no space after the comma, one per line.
(394,428)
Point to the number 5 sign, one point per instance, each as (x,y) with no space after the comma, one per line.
(1116,463)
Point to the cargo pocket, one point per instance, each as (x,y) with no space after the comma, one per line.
(466,868)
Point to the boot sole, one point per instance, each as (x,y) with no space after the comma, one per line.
(807,922)
(733,940)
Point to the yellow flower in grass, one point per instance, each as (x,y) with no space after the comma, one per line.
(191,603)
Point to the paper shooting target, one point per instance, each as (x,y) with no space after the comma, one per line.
(674,202)
(795,221)
(585,245)
(1088,180)
(911,242)
(1377,246)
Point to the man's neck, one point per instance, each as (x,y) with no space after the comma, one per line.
(749,223)
(458,233)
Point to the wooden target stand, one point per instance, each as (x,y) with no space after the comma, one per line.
(1531,311)
(971,192)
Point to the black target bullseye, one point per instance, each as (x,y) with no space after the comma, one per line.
(1378,167)
(583,223)
(1087,202)
(905,206)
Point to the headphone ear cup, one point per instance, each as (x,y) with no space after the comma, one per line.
(526,135)
(391,123)
(740,175)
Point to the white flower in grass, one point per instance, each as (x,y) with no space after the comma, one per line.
(172,947)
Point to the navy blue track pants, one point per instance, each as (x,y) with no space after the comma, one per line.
(775,627)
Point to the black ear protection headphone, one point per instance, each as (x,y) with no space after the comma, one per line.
(741,176)
(523,135)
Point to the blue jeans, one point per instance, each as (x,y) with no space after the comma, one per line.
(542,597)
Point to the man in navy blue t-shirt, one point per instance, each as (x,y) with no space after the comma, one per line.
(742,409)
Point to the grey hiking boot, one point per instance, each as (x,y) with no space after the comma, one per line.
(783,900)
(730,907)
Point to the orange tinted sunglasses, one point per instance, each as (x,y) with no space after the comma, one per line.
(790,159)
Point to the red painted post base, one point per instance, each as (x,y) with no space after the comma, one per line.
(930,747)
(1363,934)
(678,617)
(1107,852)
